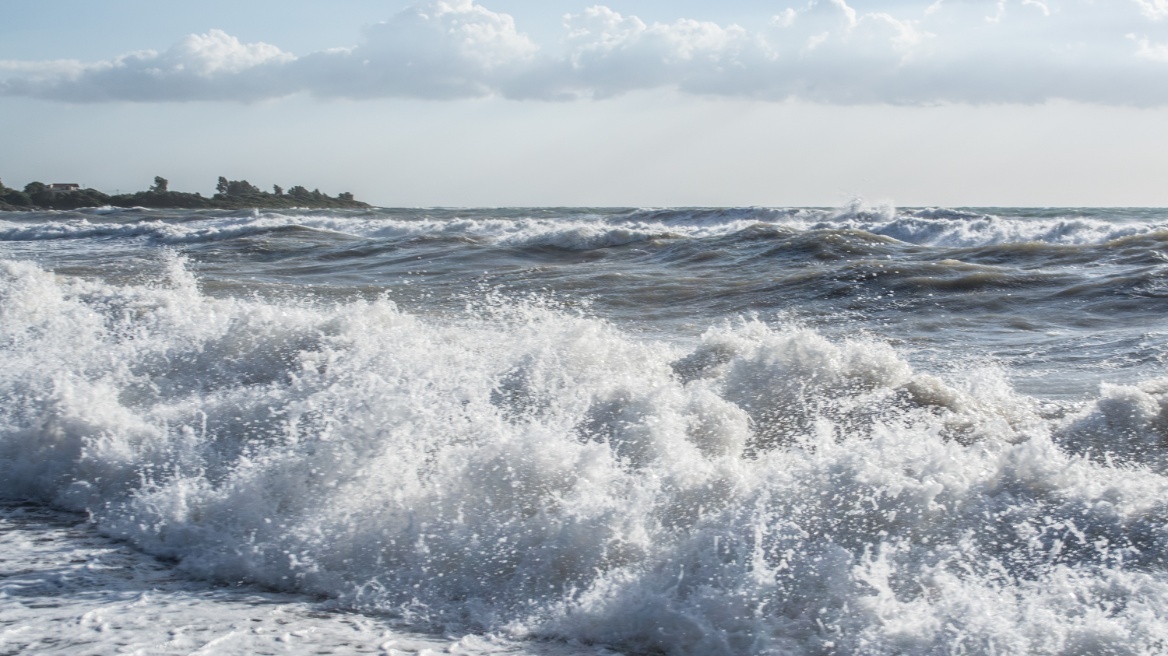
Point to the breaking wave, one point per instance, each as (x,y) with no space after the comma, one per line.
(581,229)
(534,471)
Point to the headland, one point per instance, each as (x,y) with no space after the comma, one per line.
(229,194)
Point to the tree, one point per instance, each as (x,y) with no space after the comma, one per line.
(18,198)
(38,193)
(344,195)
(222,186)
(241,188)
(160,184)
(278,190)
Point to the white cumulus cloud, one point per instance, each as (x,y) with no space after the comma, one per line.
(609,53)
(1154,9)
(1147,50)
(434,49)
(908,52)
(212,66)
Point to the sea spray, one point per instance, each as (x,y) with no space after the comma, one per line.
(531,469)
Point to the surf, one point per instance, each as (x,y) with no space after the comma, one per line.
(528,469)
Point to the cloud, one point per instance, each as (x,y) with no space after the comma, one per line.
(436,49)
(1148,50)
(1154,9)
(914,52)
(212,66)
(608,54)
(51,68)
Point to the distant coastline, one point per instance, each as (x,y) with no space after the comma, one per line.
(230,195)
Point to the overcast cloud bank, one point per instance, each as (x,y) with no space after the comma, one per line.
(919,52)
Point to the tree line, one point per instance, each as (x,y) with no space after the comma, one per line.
(229,194)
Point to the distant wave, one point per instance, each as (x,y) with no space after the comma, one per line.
(575,230)
(158,231)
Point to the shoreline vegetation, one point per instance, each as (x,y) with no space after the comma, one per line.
(229,194)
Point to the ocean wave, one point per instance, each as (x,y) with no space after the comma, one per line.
(969,232)
(530,470)
(162,232)
(585,230)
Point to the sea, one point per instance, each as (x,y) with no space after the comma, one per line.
(566,431)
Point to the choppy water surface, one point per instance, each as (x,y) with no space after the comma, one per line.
(689,431)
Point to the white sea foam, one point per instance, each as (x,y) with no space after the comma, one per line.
(68,590)
(532,471)
(1128,423)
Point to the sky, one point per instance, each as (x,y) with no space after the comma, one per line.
(628,103)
